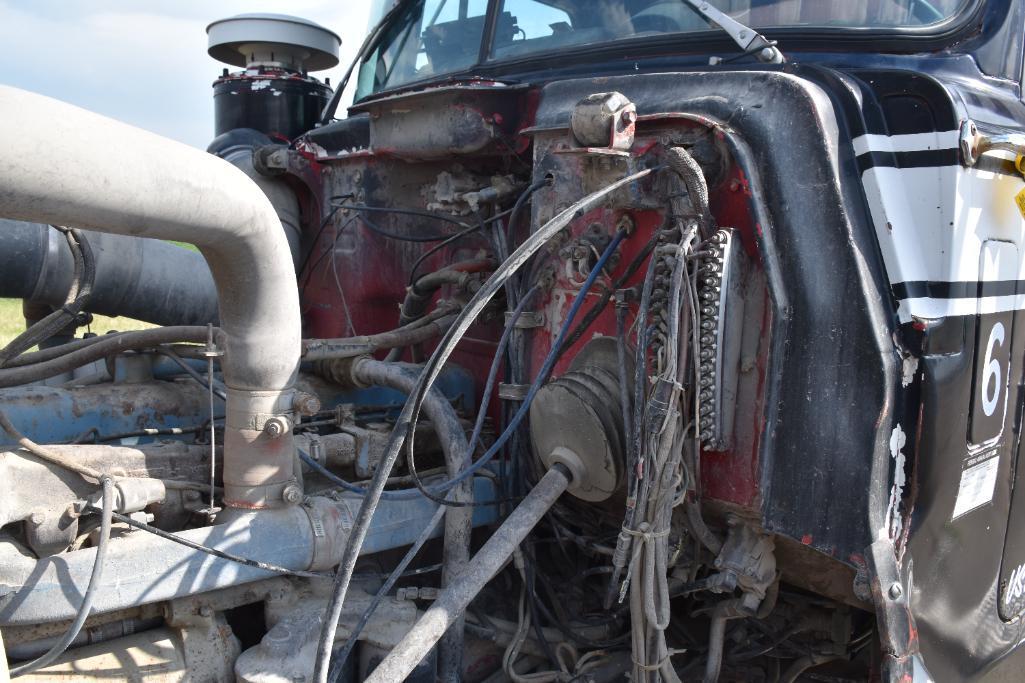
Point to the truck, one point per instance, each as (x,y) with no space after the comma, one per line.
(596,340)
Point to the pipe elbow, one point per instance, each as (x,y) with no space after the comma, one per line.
(111,177)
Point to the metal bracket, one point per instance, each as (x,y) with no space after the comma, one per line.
(513,392)
(528,320)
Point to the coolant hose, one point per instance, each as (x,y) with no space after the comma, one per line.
(100,174)
(458,520)
(454,599)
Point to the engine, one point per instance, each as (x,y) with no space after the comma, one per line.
(481,382)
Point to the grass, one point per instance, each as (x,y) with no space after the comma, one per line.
(12,323)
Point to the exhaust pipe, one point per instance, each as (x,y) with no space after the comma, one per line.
(104,175)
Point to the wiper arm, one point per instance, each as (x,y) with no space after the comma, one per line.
(368,44)
(749,40)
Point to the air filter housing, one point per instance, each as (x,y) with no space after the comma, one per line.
(275,93)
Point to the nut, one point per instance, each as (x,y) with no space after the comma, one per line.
(277,426)
(37,518)
(292,494)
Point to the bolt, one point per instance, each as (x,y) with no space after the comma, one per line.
(37,518)
(629,116)
(895,591)
(276,426)
(306,404)
(192,495)
(206,612)
(743,34)
(292,494)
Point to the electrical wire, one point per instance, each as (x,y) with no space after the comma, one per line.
(95,577)
(335,208)
(192,372)
(403,211)
(377,230)
(238,559)
(313,266)
(542,375)
(449,240)
(411,409)
(517,209)
(595,310)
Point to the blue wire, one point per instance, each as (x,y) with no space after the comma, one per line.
(514,423)
(546,367)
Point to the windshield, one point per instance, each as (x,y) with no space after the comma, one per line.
(434,37)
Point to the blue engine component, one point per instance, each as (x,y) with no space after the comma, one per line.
(171,405)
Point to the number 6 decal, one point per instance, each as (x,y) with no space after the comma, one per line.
(991,371)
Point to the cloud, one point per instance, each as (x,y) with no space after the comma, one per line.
(143,63)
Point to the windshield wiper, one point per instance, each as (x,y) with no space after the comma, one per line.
(750,41)
(368,44)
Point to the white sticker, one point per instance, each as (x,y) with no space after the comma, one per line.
(977,485)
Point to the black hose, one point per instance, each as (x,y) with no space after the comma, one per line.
(458,521)
(419,294)
(52,352)
(327,351)
(542,375)
(107,345)
(107,484)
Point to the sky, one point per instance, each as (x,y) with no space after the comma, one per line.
(144,62)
